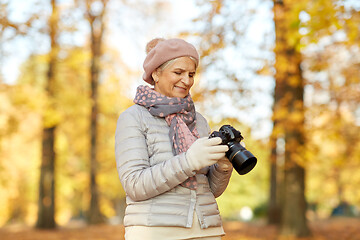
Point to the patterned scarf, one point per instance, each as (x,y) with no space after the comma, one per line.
(179,114)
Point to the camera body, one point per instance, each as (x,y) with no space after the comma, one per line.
(242,160)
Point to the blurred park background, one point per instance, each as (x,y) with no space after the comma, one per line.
(285,73)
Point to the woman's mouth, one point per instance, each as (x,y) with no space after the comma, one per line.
(181,88)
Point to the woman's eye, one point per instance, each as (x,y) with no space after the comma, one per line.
(178,73)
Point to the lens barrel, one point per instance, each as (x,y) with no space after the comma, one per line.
(242,160)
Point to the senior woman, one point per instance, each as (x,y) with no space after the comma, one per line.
(169,168)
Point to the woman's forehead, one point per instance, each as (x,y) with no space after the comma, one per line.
(184,63)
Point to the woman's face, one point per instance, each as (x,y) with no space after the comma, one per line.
(176,79)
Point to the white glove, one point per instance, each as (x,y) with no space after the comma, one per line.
(205,152)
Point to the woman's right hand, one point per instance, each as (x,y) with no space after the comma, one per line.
(205,152)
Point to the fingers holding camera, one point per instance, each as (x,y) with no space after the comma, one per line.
(205,152)
(223,164)
(217,151)
(213,141)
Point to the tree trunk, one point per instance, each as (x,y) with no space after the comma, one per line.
(97,31)
(46,202)
(291,114)
(274,214)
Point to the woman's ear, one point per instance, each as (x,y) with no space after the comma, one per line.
(155,76)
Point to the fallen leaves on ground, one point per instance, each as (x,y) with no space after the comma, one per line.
(332,229)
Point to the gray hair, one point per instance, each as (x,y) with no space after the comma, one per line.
(168,63)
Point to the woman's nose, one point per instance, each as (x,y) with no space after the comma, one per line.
(186,80)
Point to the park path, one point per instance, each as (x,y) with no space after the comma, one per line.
(332,229)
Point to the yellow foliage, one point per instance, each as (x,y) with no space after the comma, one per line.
(51,117)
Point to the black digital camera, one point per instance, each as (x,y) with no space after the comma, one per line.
(242,160)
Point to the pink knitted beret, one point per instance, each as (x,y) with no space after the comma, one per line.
(165,51)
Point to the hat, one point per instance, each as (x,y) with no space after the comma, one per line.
(165,51)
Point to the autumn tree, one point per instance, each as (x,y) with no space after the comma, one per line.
(95,14)
(46,204)
(11,115)
(289,111)
(331,63)
(16,109)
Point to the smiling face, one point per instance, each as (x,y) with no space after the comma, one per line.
(176,79)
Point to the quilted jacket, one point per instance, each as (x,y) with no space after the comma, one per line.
(150,174)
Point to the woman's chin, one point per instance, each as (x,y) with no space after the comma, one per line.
(180,92)
(180,95)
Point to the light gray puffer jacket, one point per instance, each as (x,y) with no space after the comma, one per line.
(150,174)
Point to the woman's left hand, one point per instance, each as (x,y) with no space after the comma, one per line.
(224,165)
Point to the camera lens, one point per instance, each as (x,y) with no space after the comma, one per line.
(242,160)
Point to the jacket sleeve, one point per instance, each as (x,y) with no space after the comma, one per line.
(140,180)
(218,180)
